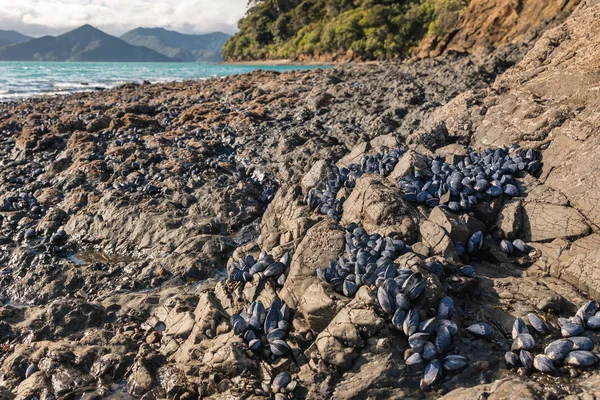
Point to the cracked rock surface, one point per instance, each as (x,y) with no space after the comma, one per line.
(121,212)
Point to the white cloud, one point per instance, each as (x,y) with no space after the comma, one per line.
(39,17)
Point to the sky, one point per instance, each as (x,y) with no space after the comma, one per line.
(51,17)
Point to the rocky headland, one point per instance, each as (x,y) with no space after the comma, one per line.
(415,230)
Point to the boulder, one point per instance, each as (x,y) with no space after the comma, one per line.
(339,342)
(228,355)
(379,208)
(435,237)
(581,268)
(410,163)
(460,227)
(355,156)
(382,143)
(488,212)
(286,219)
(323,242)
(317,174)
(319,305)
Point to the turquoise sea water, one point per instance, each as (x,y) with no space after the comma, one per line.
(25,79)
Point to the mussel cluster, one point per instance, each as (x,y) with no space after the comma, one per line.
(264,329)
(369,260)
(430,340)
(265,267)
(283,384)
(572,349)
(478,178)
(242,171)
(325,200)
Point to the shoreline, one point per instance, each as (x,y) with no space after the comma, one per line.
(214,70)
(297,63)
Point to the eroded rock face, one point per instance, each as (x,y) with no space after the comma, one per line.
(547,101)
(115,216)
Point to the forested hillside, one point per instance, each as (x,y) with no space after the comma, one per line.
(363,29)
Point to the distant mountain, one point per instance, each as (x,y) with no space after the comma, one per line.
(82,44)
(11,37)
(198,48)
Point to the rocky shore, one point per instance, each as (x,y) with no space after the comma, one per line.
(398,230)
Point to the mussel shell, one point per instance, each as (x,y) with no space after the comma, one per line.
(398,319)
(512,360)
(569,329)
(454,362)
(442,339)
(238,324)
(255,344)
(249,336)
(281,380)
(281,280)
(273,318)
(468,270)
(481,330)
(417,340)
(414,286)
(385,300)
(538,324)
(276,334)
(445,307)
(520,245)
(433,371)
(414,359)
(582,343)
(581,358)
(279,348)
(256,268)
(543,363)
(258,310)
(523,341)
(411,322)
(429,351)
(526,359)
(475,242)
(518,328)
(558,349)
(587,310)
(593,323)
(402,302)
(451,325)
(350,287)
(31,369)
(428,326)
(506,247)
(286,259)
